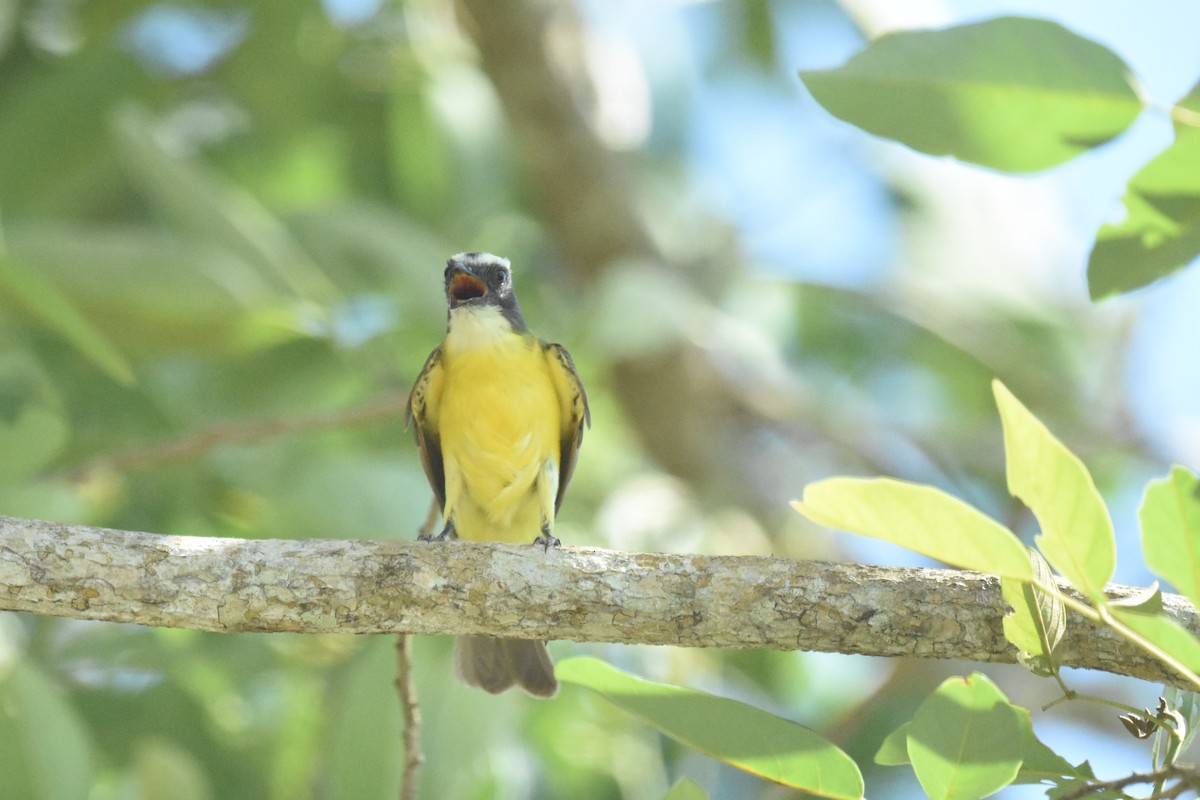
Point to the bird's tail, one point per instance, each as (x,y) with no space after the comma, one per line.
(497,664)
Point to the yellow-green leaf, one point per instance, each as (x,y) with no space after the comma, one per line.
(738,734)
(921,518)
(1077,534)
(1170,522)
(1167,635)
(1039,618)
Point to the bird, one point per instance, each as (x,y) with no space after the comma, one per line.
(498,416)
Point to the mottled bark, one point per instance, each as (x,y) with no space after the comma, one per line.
(362,586)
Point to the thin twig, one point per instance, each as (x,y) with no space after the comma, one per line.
(1188,777)
(405,688)
(199,443)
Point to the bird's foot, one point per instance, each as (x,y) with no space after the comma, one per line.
(448,533)
(546,540)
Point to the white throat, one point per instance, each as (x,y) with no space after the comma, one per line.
(477,326)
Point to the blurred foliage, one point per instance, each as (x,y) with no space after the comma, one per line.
(219,219)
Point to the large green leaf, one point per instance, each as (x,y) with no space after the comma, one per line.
(55,311)
(966,741)
(1039,618)
(738,734)
(1077,534)
(920,518)
(1012,93)
(1161,229)
(44,750)
(1170,522)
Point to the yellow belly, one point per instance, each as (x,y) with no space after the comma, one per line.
(499,421)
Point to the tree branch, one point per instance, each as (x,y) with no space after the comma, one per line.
(362,586)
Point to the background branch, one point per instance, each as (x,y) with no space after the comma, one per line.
(241,432)
(362,586)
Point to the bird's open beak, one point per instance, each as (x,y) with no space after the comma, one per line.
(465,286)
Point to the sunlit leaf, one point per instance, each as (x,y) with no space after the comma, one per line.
(1170,522)
(1077,534)
(1146,600)
(1011,93)
(921,518)
(1161,229)
(45,301)
(965,741)
(1165,633)
(738,734)
(1039,618)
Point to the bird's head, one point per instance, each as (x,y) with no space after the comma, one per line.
(481,280)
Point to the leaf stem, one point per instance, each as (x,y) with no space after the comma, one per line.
(1105,617)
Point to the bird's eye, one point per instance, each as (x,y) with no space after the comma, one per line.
(501,277)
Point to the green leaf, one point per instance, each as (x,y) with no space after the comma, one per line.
(685,789)
(1077,534)
(738,734)
(893,752)
(1161,230)
(1039,618)
(45,753)
(1170,522)
(47,303)
(1040,763)
(1164,632)
(1012,93)
(921,518)
(966,740)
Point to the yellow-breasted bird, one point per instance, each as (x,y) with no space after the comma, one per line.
(499,416)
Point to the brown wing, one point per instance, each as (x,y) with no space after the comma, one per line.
(575,414)
(422,410)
